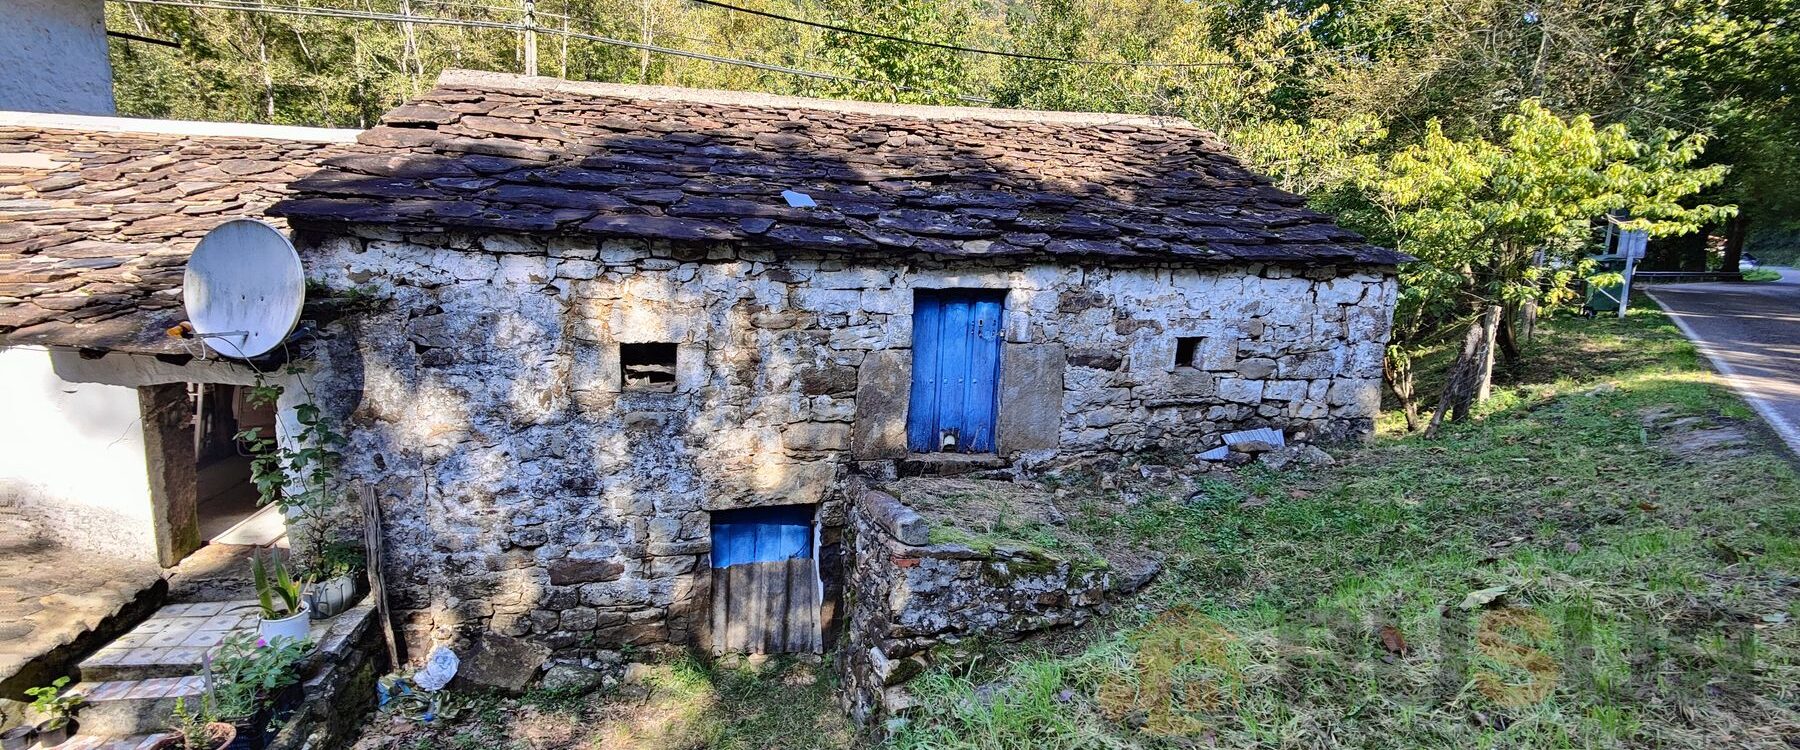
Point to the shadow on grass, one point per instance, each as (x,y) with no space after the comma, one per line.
(1635,595)
(676,703)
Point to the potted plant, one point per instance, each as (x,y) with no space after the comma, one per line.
(284,613)
(198,730)
(254,684)
(59,709)
(18,738)
(337,585)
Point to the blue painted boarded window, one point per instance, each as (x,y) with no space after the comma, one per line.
(762,535)
(956,370)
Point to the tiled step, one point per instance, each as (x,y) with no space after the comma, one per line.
(132,685)
(102,742)
(172,643)
(134,707)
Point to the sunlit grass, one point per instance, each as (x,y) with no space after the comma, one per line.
(676,702)
(1641,596)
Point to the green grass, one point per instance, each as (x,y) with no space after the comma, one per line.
(1762,274)
(1642,605)
(1641,600)
(676,702)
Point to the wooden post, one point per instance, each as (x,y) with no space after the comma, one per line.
(531,68)
(377,583)
(1484,373)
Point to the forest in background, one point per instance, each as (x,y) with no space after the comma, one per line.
(1483,136)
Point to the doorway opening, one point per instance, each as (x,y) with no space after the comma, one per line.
(225,497)
(766,588)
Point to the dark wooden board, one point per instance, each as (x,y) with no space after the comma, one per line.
(766,608)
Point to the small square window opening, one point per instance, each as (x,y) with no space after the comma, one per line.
(647,367)
(1187,351)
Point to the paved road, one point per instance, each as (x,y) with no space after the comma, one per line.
(1751,332)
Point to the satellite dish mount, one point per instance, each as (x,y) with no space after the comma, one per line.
(243,289)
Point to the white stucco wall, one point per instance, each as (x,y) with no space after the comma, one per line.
(72,457)
(53,57)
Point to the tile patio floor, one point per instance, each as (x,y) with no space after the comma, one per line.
(174,641)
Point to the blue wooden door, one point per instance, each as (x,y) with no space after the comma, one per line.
(766,585)
(762,535)
(956,370)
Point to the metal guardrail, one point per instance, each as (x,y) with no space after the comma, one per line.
(1684,277)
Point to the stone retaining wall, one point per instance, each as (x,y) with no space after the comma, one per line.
(528,493)
(909,596)
(339,687)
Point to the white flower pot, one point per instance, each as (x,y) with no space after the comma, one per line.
(294,626)
(332,596)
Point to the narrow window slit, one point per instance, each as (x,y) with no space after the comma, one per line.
(1187,351)
(647,367)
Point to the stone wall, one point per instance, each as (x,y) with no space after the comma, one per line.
(911,595)
(528,493)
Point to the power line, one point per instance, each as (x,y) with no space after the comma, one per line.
(252,7)
(1029,56)
(147,40)
(360,15)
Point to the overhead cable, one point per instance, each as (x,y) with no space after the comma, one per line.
(1029,56)
(254,7)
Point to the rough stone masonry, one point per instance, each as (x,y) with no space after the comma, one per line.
(570,321)
(530,493)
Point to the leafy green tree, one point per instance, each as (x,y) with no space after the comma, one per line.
(920,74)
(1048,28)
(1729,68)
(1500,224)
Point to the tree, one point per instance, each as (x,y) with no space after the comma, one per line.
(1477,214)
(920,74)
(1728,67)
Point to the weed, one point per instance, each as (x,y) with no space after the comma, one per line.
(1633,577)
(570,701)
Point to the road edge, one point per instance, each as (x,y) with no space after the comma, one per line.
(1788,433)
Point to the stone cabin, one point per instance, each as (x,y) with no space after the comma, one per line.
(610,344)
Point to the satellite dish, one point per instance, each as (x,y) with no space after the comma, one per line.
(243,288)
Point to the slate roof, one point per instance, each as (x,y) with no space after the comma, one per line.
(98,215)
(503,152)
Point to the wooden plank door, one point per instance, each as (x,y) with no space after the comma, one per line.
(956,370)
(765,581)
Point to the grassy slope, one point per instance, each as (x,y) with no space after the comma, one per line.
(1261,632)
(1264,631)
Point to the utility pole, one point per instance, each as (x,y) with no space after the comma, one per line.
(409,51)
(531,68)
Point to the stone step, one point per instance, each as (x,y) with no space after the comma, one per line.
(134,707)
(103,742)
(172,643)
(949,464)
